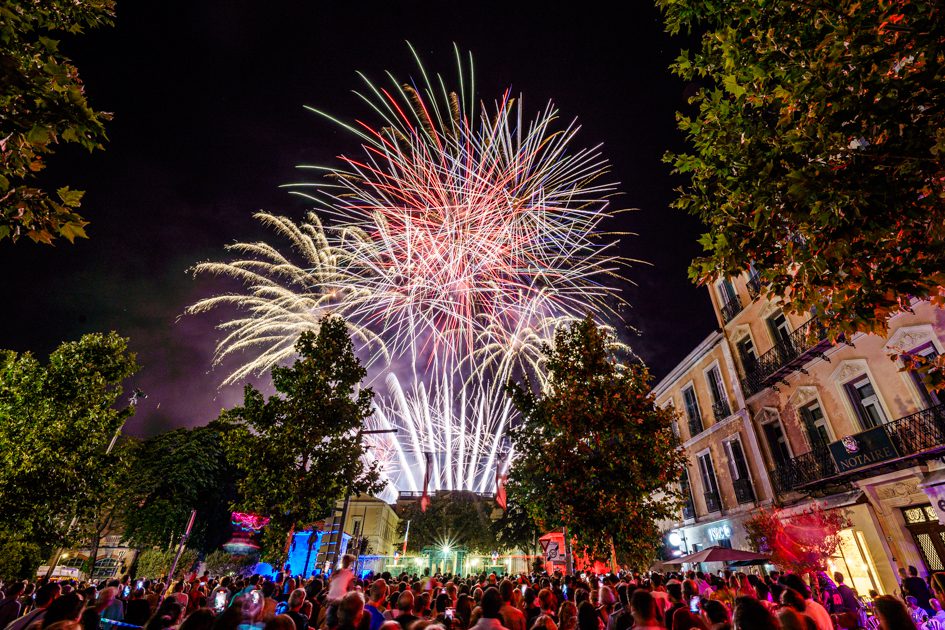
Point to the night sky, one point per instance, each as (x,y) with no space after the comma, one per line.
(208,102)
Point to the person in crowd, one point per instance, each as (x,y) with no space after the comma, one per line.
(544,622)
(675,592)
(67,607)
(918,614)
(377,596)
(230,619)
(512,617)
(892,614)
(793,602)
(405,605)
(45,595)
(548,604)
(464,608)
(350,610)
(92,615)
(10,604)
(682,619)
(280,622)
(200,619)
(750,614)
(567,616)
(723,594)
(138,611)
(295,603)
(658,591)
(167,615)
(644,610)
(812,609)
(489,606)
(588,618)
(939,615)
(914,586)
(715,614)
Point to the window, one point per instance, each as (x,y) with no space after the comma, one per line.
(737,465)
(865,402)
(726,291)
(780,329)
(709,484)
(746,351)
(692,411)
(719,400)
(815,424)
(929,399)
(777,443)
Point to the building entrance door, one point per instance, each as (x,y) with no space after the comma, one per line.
(928,533)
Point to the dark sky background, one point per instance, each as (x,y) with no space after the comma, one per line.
(207,98)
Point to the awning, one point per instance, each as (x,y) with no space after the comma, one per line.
(718,554)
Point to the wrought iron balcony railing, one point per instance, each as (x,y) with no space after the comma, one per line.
(916,437)
(731,308)
(721,410)
(712,502)
(754,285)
(744,493)
(788,355)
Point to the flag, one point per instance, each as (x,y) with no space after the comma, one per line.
(425,499)
(500,496)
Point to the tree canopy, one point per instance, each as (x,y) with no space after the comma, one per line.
(43,103)
(300,449)
(56,423)
(174,473)
(593,451)
(816,150)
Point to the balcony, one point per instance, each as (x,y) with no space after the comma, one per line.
(787,356)
(731,308)
(712,502)
(754,285)
(916,437)
(744,493)
(721,410)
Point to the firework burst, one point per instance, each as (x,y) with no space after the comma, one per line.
(455,243)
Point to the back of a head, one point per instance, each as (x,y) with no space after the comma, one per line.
(505,590)
(794,581)
(280,622)
(167,615)
(892,613)
(913,571)
(347,560)
(790,619)
(46,594)
(715,611)
(491,603)
(587,617)
(296,598)
(675,591)
(200,619)
(350,609)
(793,599)
(67,607)
(685,620)
(750,614)
(642,604)
(231,618)
(443,601)
(378,590)
(405,601)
